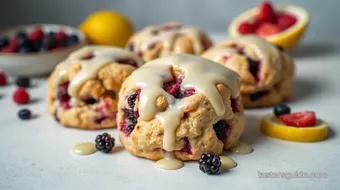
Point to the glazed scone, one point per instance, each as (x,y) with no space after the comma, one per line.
(266,70)
(182,104)
(168,39)
(83,89)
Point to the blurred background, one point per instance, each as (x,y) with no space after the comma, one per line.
(210,15)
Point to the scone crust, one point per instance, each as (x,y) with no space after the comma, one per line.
(149,43)
(104,88)
(195,128)
(275,75)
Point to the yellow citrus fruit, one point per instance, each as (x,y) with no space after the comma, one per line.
(107,28)
(288,38)
(272,127)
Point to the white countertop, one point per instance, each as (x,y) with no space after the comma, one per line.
(35,154)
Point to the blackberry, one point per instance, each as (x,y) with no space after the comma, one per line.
(281,109)
(24,114)
(253,66)
(256,96)
(132,100)
(3,42)
(104,143)
(220,129)
(209,163)
(131,115)
(23,81)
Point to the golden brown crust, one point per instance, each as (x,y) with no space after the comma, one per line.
(103,87)
(195,128)
(150,47)
(274,78)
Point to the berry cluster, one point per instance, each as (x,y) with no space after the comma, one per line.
(37,40)
(105,143)
(209,163)
(267,21)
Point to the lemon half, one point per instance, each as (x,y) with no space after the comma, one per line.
(272,127)
(288,38)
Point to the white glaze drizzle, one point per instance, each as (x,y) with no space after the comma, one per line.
(153,34)
(262,48)
(201,74)
(102,55)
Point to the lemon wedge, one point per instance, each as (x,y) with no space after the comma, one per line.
(272,127)
(288,38)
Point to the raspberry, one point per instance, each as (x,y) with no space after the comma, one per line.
(61,36)
(246,28)
(3,79)
(285,21)
(187,147)
(36,35)
(88,57)
(299,119)
(21,96)
(266,13)
(62,93)
(173,87)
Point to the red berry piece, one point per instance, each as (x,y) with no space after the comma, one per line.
(299,119)
(267,29)
(36,35)
(266,13)
(3,79)
(61,36)
(286,21)
(246,28)
(21,96)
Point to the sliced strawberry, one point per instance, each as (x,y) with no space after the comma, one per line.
(286,20)
(299,119)
(266,12)
(267,29)
(246,28)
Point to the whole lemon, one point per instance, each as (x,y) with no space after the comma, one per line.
(107,28)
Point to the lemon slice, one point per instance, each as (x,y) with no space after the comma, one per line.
(288,38)
(271,126)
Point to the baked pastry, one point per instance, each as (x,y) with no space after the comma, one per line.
(182,104)
(266,70)
(83,89)
(167,39)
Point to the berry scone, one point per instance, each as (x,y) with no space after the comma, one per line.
(83,89)
(168,39)
(182,104)
(266,70)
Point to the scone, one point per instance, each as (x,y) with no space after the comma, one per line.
(266,70)
(168,39)
(83,89)
(182,104)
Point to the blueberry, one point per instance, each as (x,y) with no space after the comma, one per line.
(73,39)
(23,81)
(23,41)
(3,42)
(49,42)
(51,34)
(24,114)
(21,34)
(25,49)
(281,109)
